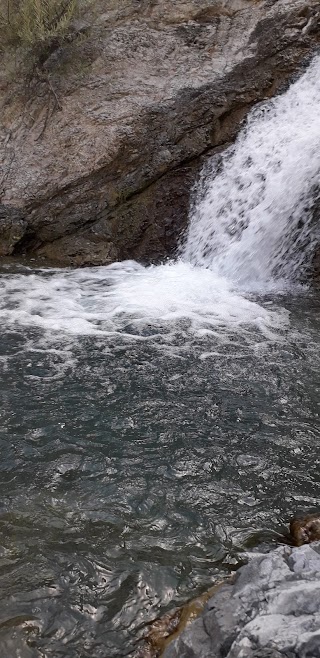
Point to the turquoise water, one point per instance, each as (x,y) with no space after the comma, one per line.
(135,471)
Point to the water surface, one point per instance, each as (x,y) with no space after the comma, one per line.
(136,466)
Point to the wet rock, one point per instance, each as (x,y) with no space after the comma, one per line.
(147,93)
(270,610)
(171,624)
(159,631)
(305,530)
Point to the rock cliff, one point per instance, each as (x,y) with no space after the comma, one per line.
(98,158)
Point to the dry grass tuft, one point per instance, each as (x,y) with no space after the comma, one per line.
(33,25)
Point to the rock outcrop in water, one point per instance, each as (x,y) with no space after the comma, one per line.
(305,530)
(150,90)
(271,610)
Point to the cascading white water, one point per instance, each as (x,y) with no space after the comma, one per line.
(253,222)
(251,229)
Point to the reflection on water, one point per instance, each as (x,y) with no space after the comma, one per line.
(133,472)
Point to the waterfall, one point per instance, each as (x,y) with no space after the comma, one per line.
(252,230)
(252,222)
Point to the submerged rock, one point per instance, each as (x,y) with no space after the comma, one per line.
(147,93)
(305,530)
(270,610)
(170,625)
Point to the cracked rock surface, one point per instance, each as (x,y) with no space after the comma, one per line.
(270,610)
(149,91)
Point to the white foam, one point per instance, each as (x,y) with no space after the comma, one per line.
(106,300)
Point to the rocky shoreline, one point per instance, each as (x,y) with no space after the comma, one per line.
(107,175)
(270,610)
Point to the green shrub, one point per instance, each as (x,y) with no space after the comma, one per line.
(34,25)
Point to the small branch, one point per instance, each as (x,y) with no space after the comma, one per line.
(45,123)
(57,100)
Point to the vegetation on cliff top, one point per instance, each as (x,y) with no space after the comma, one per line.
(35,28)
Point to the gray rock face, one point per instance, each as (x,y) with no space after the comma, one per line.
(144,96)
(271,610)
(12,228)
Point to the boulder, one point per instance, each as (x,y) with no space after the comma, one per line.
(270,610)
